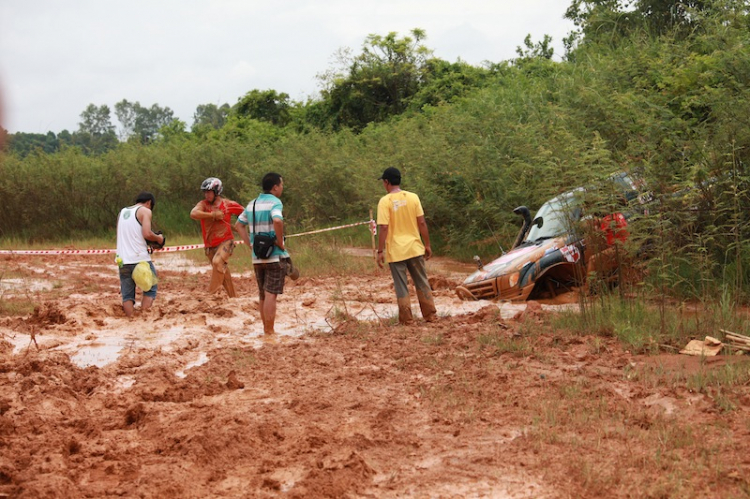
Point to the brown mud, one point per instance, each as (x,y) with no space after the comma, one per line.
(191,400)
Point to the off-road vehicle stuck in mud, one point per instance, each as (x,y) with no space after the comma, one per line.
(558,248)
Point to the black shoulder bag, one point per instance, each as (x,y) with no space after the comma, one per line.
(263,244)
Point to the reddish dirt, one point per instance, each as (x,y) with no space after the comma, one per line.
(189,400)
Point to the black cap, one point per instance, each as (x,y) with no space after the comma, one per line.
(392,175)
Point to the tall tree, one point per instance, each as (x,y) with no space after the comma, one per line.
(3,139)
(96,120)
(125,112)
(141,122)
(615,20)
(24,144)
(96,133)
(264,105)
(444,81)
(377,83)
(538,50)
(210,115)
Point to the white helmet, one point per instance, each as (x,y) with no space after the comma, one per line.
(212,184)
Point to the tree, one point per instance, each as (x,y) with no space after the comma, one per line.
(264,105)
(96,120)
(51,143)
(141,122)
(615,20)
(95,130)
(443,82)
(539,50)
(210,115)
(378,83)
(3,139)
(173,130)
(24,144)
(65,137)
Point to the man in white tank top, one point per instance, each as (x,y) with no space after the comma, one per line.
(133,230)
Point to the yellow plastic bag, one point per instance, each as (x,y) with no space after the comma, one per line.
(143,277)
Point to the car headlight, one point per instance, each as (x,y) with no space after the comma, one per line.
(513,279)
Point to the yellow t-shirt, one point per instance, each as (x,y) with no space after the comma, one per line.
(399,211)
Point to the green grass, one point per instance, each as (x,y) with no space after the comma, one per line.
(16,306)
(434,339)
(316,256)
(649,325)
(718,383)
(500,344)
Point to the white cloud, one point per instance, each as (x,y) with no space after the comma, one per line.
(57,57)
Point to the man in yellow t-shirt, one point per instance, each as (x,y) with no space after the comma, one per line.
(401,223)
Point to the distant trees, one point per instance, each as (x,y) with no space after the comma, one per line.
(443,82)
(378,83)
(210,115)
(96,120)
(24,143)
(613,21)
(96,134)
(264,105)
(141,122)
(539,50)
(392,75)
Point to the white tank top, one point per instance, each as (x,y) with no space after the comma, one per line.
(131,246)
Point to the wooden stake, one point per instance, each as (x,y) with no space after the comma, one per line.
(730,333)
(374,247)
(738,338)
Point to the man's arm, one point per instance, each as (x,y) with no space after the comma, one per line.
(278,228)
(382,238)
(198,213)
(144,216)
(422,223)
(233,207)
(242,231)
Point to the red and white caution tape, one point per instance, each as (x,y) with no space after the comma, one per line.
(369,222)
(56,252)
(373,228)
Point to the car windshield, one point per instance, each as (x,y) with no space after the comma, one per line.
(556,216)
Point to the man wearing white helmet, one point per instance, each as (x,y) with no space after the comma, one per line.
(215,215)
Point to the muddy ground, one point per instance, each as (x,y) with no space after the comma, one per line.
(190,400)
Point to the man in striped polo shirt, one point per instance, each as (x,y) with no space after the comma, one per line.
(269,220)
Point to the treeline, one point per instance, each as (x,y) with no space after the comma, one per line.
(657,86)
(391,76)
(96,134)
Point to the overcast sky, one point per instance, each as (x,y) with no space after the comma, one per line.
(57,56)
